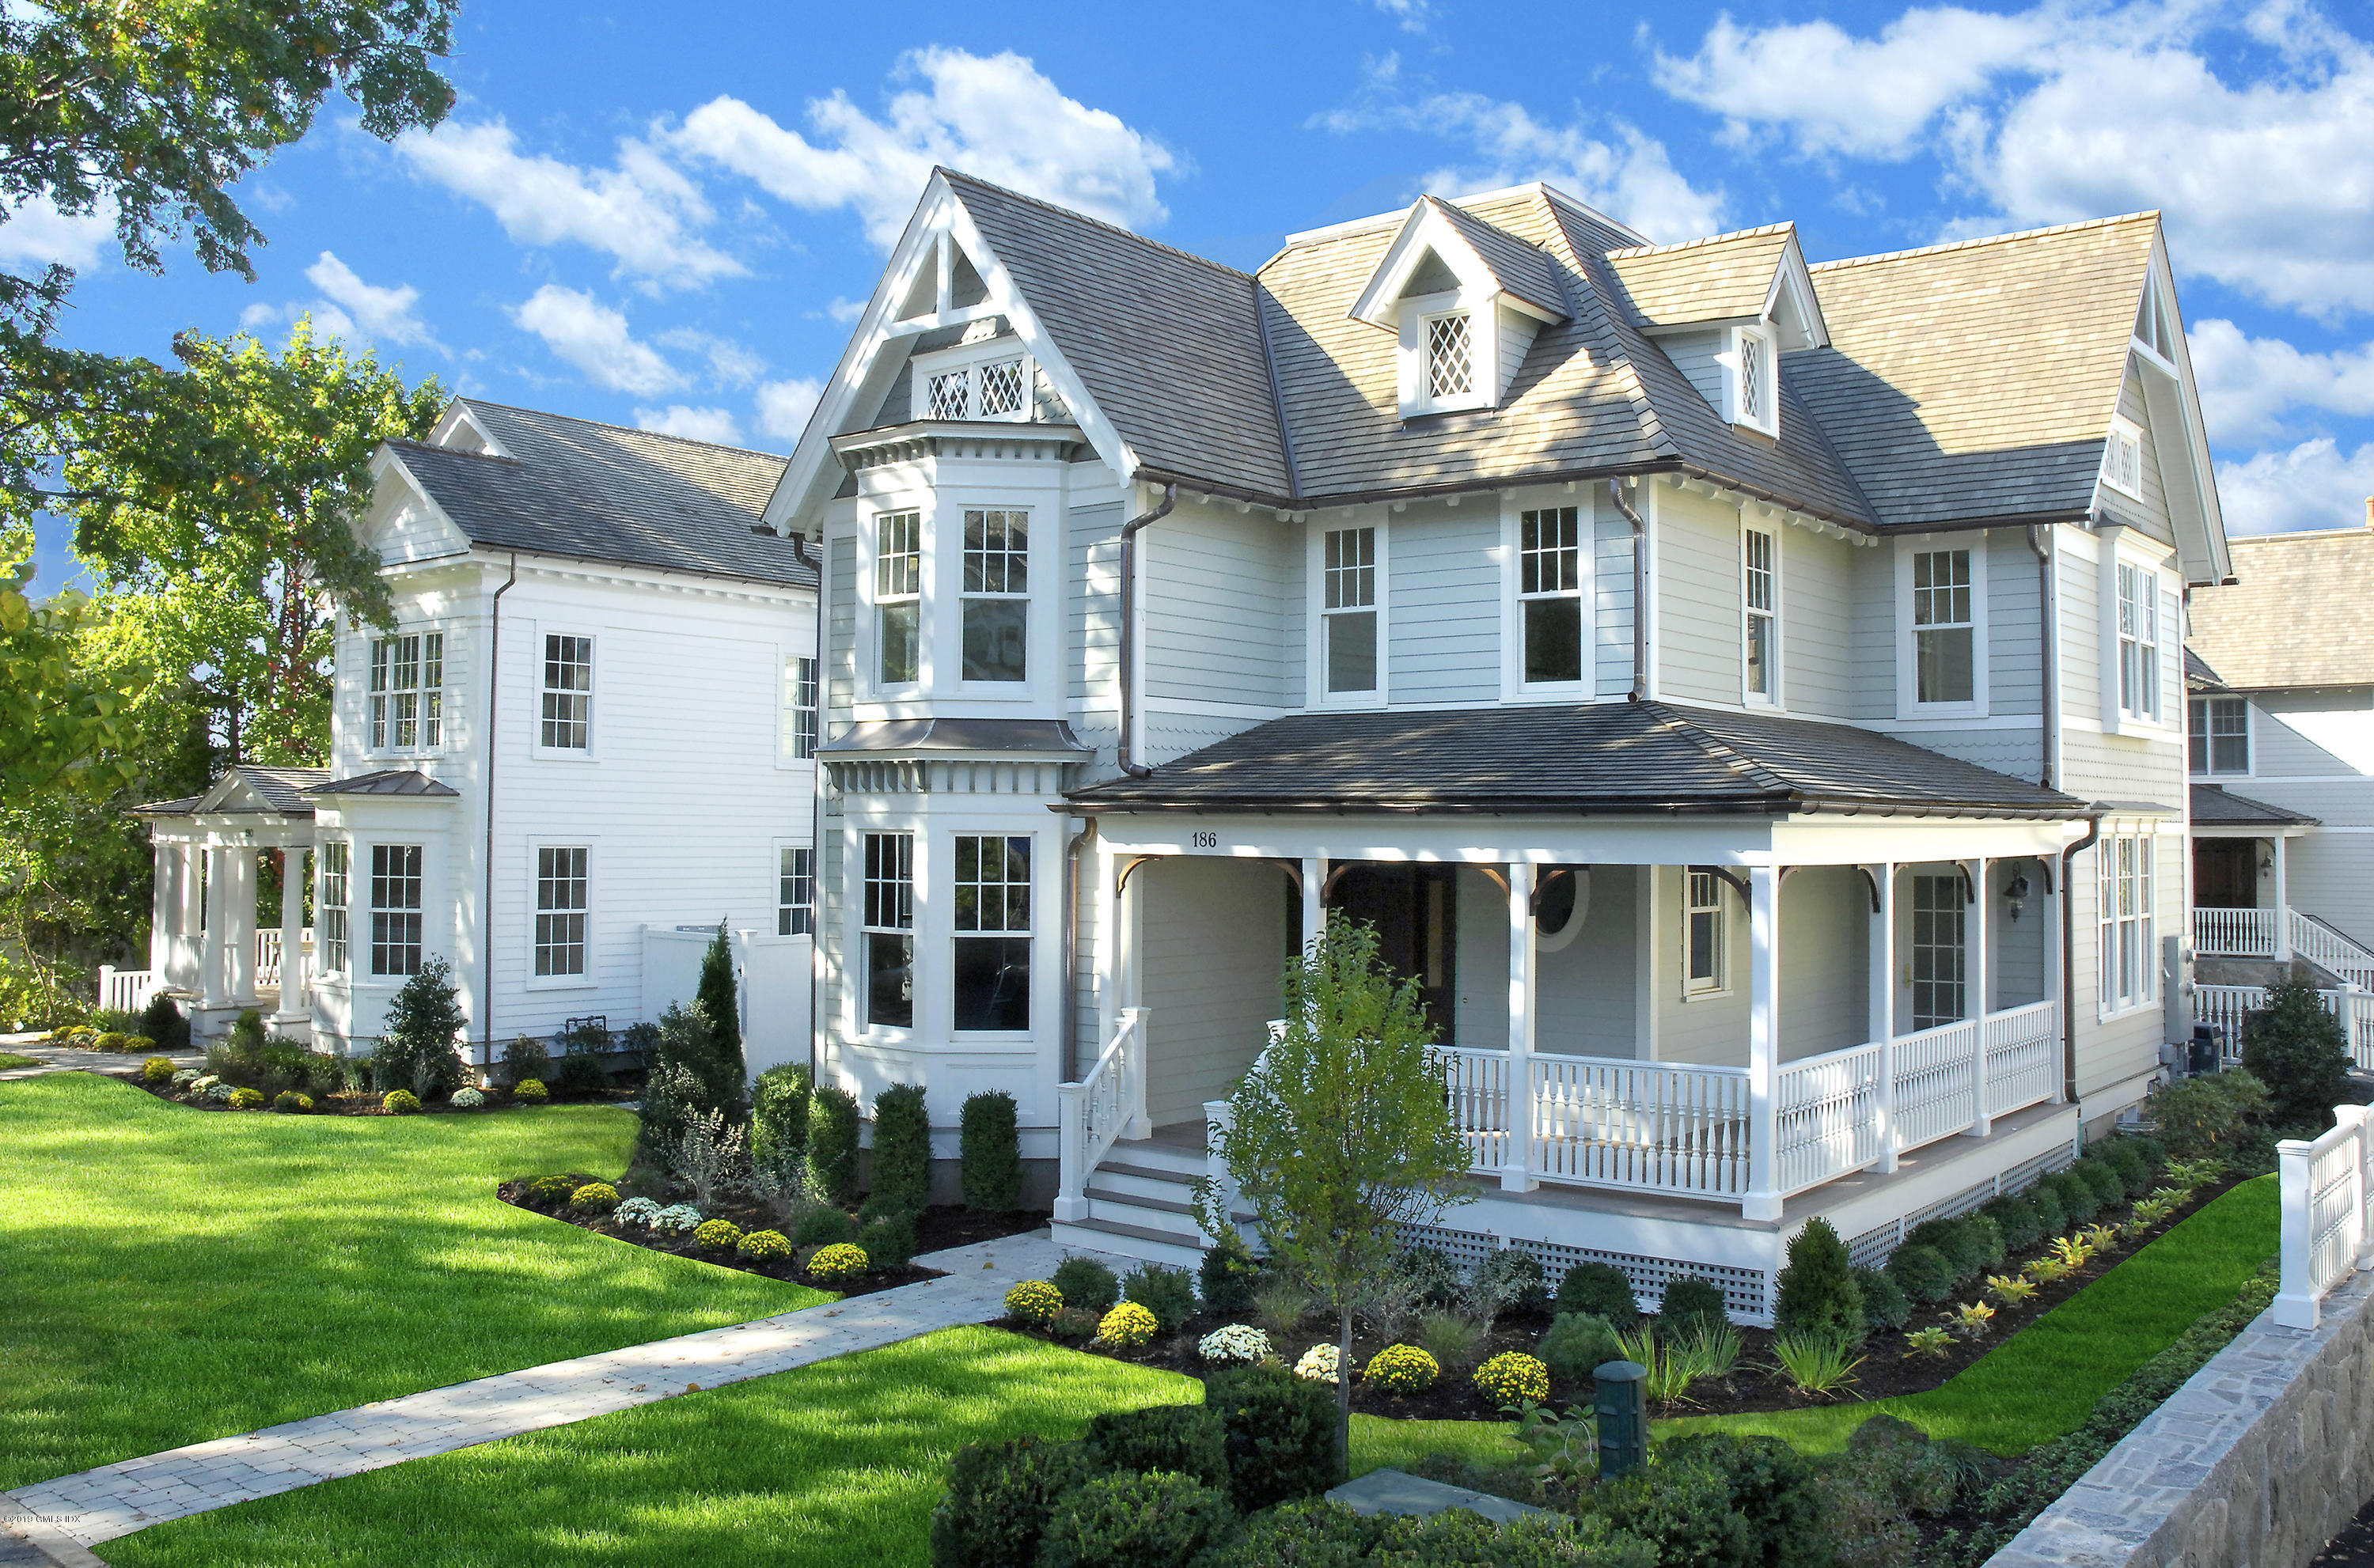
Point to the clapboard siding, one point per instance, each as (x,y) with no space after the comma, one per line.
(2150,514)
(1694,355)
(1443,635)
(841,577)
(2015,634)
(1092,605)
(1214,934)
(1697,598)
(1817,585)
(1612,598)
(1214,608)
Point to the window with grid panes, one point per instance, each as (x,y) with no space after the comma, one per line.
(567,718)
(395,909)
(2129,963)
(2138,642)
(795,891)
(1550,593)
(2122,459)
(951,394)
(1940,925)
(996,594)
(330,906)
(1349,609)
(561,903)
(1760,594)
(407,697)
(799,708)
(1702,933)
(1449,356)
(992,970)
(897,597)
(1945,634)
(2219,734)
(888,918)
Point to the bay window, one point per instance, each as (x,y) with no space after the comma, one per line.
(992,970)
(330,905)
(897,598)
(2130,963)
(889,921)
(1549,593)
(395,909)
(996,594)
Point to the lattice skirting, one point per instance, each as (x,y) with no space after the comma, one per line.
(1746,1292)
(1873,1248)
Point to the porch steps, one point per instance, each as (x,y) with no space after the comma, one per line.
(1142,1205)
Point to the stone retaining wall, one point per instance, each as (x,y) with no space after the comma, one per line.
(2256,1462)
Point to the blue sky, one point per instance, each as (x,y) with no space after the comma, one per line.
(666,215)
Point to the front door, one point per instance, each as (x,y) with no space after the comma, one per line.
(1939,916)
(1414,909)
(2226,873)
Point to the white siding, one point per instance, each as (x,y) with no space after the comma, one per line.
(1825,961)
(1817,585)
(2150,514)
(1697,598)
(1214,932)
(1092,623)
(1612,593)
(1694,355)
(1586,992)
(1213,583)
(1443,637)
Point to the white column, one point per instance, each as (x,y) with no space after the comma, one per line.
(238,932)
(1315,912)
(1980,994)
(292,936)
(163,907)
(1137,1056)
(1517,1164)
(1108,957)
(214,967)
(2283,902)
(189,917)
(1763,1199)
(1883,1005)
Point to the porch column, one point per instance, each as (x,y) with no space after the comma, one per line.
(164,905)
(1883,1004)
(1980,994)
(238,933)
(214,969)
(1762,1201)
(1517,1164)
(2283,903)
(1127,908)
(292,936)
(189,916)
(1315,912)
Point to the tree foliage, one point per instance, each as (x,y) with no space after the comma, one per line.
(716,1000)
(419,1041)
(1339,1133)
(2300,1052)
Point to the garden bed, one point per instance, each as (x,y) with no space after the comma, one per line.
(1756,1383)
(366,1102)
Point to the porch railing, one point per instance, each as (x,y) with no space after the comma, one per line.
(2325,1225)
(1645,1125)
(1826,1118)
(1092,1114)
(2229,1005)
(267,957)
(127,990)
(2234,934)
(2328,949)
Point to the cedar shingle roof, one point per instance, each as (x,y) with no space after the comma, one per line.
(2295,615)
(1716,279)
(1519,268)
(597,492)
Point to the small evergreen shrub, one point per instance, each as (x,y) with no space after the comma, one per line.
(1601,1290)
(2101,1179)
(717,1236)
(530,1092)
(1513,1376)
(1403,1369)
(1087,1283)
(764,1246)
(1577,1342)
(832,1142)
(998,1499)
(1684,1510)
(546,1191)
(889,1240)
(839,1261)
(1818,1294)
(990,1152)
(2077,1199)
(822,1227)
(247,1099)
(878,1204)
(596,1197)
(779,1109)
(2121,1155)
(156,1070)
(2015,1222)
(902,1146)
(419,1037)
(1963,1249)
(1034,1301)
(1281,1434)
(1691,1303)
(1074,1326)
(2051,1218)
(291,1101)
(1169,1294)
(1228,1274)
(1436,1280)
(525,1058)
(1511,1280)
(400,1102)
(1771,1485)
(162,1022)
(1922,1274)
(2208,1117)
(1128,1520)
(1126,1327)
(1186,1439)
(2301,1053)
(1883,1301)
(2150,1151)
(118,1043)
(468,1099)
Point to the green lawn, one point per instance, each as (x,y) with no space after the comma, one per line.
(10,1062)
(173,1275)
(2043,1381)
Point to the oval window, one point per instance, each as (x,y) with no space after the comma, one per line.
(1560,906)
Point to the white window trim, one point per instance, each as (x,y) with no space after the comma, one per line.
(1907,705)
(1777,698)
(1483,347)
(1315,613)
(924,994)
(591,750)
(2250,736)
(2124,428)
(1726,939)
(815,885)
(970,358)
(786,709)
(1514,687)
(321,902)
(945,935)
(1039,521)
(2148,998)
(361,965)
(1737,343)
(2144,554)
(592,846)
(869,631)
(445,690)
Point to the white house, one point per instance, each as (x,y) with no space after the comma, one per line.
(1745,693)
(588,738)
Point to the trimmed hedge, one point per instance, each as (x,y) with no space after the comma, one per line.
(1601,1290)
(990,1152)
(1281,1432)
(902,1146)
(1087,1284)
(1189,1439)
(832,1142)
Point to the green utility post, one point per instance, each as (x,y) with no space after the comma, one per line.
(1623,1410)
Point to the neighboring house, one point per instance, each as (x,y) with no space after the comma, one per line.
(1745,694)
(646,649)
(2280,672)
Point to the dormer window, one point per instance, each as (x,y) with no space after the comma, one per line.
(1449,356)
(982,381)
(1754,382)
(1466,299)
(2122,458)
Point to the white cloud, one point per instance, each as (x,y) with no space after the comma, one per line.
(995,117)
(2246,383)
(695,424)
(841,309)
(644,211)
(730,364)
(784,406)
(1413,15)
(384,314)
(2312,485)
(38,234)
(594,338)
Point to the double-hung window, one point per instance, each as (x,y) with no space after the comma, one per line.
(795,891)
(330,905)
(407,695)
(1550,593)
(1760,595)
(799,708)
(395,909)
(1945,628)
(1348,611)
(2220,734)
(996,594)
(567,713)
(897,598)
(889,925)
(1702,933)
(561,904)
(2138,642)
(993,932)
(2129,963)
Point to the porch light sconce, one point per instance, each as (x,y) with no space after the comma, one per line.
(2266,865)
(2015,890)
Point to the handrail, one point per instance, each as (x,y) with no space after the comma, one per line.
(2329,948)
(1092,1113)
(2229,1005)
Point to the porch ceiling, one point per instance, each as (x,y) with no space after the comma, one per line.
(1586,759)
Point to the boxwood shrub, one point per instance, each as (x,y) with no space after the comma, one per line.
(998,1499)
(1189,1439)
(1883,1301)
(1166,1292)
(2051,1218)
(2015,1218)
(902,1146)
(2099,1175)
(1577,1342)
(889,1240)
(832,1142)
(1281,1432)
(990,1152)
(1923,1273)
(2077,1199)
(1131,1518)
(822,1227)
(1087,1284)
(1601,1288)
(1689,1303)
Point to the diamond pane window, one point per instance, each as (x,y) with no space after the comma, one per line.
(1001,387)
(1449,356)
(951,396)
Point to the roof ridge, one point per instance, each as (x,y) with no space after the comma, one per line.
(612,425)
(2303,535)
(1085,217)
(2152,213)
(1632,250)
(421,446)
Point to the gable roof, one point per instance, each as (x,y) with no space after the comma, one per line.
(1520,269)
(1720,279)
(280,790)
(1978,380)
(2294,615)
(595,492)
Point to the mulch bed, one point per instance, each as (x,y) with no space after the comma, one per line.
(367,1102)
(1755,1384)
(941,1226)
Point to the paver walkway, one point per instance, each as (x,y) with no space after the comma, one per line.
(62,1058)
(100,1504)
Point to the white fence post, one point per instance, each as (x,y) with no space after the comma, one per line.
(2294,1305)
(1217,1119)
(1071,1180)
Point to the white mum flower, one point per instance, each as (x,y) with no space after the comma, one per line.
(1237,1342)
(1320,1364)
(636,1211)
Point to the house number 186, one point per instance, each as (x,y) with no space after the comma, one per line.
(1203,840)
